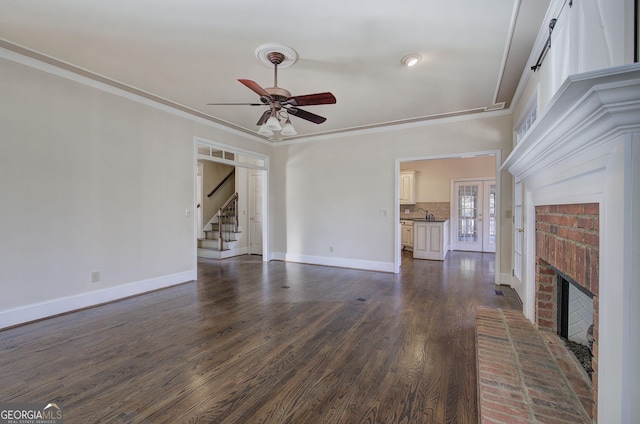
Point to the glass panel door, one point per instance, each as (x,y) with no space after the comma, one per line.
(468,232)
(475,217)
(490,231)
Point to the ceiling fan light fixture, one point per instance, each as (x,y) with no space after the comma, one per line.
(265,131)
(288,129)
(273,124)
(411,60)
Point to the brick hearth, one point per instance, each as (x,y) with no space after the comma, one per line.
(526,376)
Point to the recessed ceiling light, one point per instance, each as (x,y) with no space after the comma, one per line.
(411,60)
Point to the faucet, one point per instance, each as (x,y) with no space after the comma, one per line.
(427,216)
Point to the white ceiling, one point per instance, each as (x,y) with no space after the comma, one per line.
(192,52)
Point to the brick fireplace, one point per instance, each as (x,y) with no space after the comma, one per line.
(578,167)
(567,240)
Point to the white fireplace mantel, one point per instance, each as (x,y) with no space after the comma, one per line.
(589,110)
(585,148)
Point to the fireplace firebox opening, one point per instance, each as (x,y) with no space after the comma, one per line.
(575,319)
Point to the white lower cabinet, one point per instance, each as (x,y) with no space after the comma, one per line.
(430,240)
(407,234)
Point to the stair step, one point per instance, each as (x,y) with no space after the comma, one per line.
(213,244)
(208,243)
(215,235)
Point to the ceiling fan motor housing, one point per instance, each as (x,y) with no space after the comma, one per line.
(279,94)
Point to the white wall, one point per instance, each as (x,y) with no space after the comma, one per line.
(90,181)
(331,192)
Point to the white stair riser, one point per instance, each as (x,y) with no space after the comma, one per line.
(213,244)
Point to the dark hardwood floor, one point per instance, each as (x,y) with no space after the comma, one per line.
(254,342)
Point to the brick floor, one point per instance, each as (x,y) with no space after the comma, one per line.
(526,376)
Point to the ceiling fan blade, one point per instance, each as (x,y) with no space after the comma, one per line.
(235,104)
(316,119)
(255,87)
(264,117)
(311,99)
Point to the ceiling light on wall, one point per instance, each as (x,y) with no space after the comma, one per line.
(411,60)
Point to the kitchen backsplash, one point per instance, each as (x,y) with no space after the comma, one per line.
(440,210)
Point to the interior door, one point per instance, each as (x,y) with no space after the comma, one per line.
(475,216)
(199,202)
(255,212)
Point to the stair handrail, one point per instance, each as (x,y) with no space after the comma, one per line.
(221,183)
(229,210)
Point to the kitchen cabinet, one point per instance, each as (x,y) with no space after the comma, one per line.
(406,230)
(407,187)
(430,239)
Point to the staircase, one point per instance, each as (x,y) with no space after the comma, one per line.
(221,240)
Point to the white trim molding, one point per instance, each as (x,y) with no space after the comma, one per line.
(41,310)
(32,59)
(340,262)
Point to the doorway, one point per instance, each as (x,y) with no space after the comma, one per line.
(256,165)
(434,192)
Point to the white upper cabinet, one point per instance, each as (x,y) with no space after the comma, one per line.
(407,187)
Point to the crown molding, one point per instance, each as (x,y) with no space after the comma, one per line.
(24,56)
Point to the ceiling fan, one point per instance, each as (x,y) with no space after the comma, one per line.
(281,103)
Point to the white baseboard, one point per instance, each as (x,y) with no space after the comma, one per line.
(62,305)
(341,262)
(278,256)
(505,279)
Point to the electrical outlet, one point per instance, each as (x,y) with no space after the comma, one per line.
(95,277)
(330,249)
(383,213)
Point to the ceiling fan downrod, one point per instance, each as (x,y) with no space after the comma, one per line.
(276,58)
